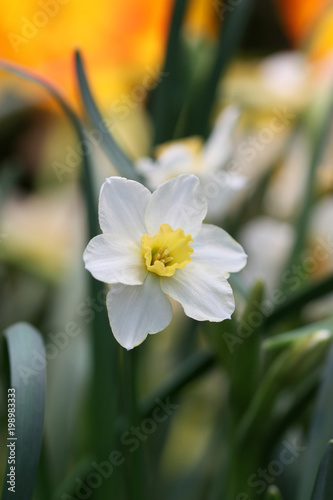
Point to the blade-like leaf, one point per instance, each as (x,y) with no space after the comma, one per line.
(321,431)
(113,151)
(87,180)
(167,100)
(28,380)
(67,487)
(234,20)
(199,364)
(286,339)
(323,489)
(289,414)
(287,370)
(192,368)
(295,302)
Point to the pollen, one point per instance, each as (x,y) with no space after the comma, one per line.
(169,249)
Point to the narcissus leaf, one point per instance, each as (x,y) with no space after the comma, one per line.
(27,393)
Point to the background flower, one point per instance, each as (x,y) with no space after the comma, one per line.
(211,162)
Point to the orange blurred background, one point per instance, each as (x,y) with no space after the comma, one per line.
(117,39)
(120,41)
(309,24)
(123,41)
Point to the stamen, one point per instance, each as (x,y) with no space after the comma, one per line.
(162,256)
(166,260)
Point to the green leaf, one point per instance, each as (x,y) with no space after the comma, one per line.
(193,367)
(323,489)
(25,344)
(285,372)
(234,20)
(296,301)
(307,374)
(321,431)
(201,363)
(283,377)
(277,342)
(68,485)
(87,178)
(166,101)
(113,151)
(298,401)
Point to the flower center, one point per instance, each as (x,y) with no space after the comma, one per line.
(167,251)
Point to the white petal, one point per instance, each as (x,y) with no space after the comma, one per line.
(135,311)
(218,146)
(122,204)
(115,259)
(178,202)
(214,247)
(203,293)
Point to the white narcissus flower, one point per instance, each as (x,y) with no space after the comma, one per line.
(154,246)
(258,235)
(208,161)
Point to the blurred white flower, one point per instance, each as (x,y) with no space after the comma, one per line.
(208,161)
(154,245)
(286,74)
(286,190)
(37,234)
(268,242)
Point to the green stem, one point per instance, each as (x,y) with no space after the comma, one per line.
(134,465)
(104,401)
